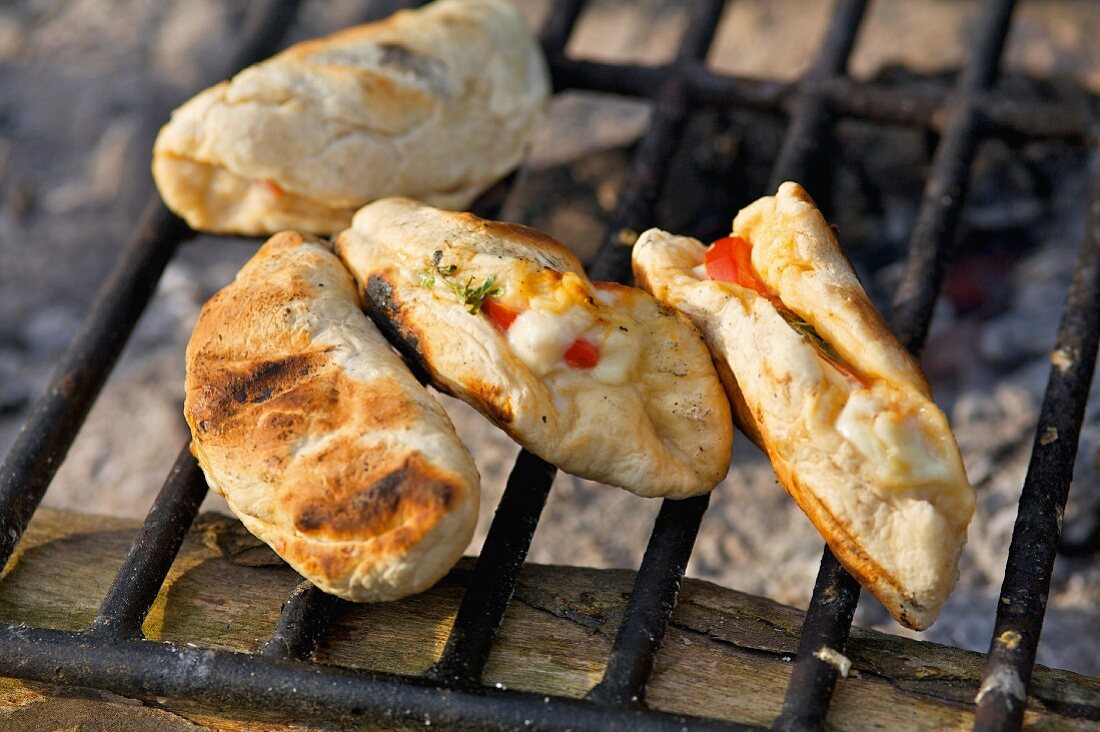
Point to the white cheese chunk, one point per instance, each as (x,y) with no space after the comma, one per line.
(896,445)
(540,339)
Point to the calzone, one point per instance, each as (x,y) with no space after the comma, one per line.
(436,103)
(819,382)
(597,378)
(318,436)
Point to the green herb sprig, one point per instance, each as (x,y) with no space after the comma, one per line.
(807,331)
(472,297)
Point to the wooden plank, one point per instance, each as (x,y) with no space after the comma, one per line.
(727,654)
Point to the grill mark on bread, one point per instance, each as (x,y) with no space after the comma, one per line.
(429,70)
(387,499)
(266,377)
(228,391)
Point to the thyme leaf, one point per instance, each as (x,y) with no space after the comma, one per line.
(472,297)
(807,331)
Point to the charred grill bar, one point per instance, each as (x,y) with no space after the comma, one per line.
(56,417)
(150,557)
(486,598)
(1038,528)
(836,593)
(111,655)
(303,620)
(833,603)
(658,582)
(502,555)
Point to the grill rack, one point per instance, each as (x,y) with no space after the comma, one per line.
(111,653)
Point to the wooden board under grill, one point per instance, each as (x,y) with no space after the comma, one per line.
(724,655)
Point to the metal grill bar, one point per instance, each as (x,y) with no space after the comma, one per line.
(638,195)
(57,415)
(913,104)
(558,26)
(495,574)
(812,118)
(810,688)
(1031,554)
(303,621)
(827,625)
(106,657)
(652,600)
(947,184)
(497,570)
(138,581)
(1005,115)
(657,583)
(147,669)
(836,594)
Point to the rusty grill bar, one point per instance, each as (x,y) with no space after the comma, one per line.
(1038,526)
(111,653)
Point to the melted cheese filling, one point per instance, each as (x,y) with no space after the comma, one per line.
(540,338)
(896,445)
(542,333)
(898,448)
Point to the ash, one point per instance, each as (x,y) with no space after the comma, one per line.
(85,85)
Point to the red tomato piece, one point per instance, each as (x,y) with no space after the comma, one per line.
(273,187)
(501,316)
(730,260)
(582,354)
(719,261)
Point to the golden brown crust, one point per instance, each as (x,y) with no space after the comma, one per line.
(316,434)
(650,417)
(847,547)
(873,464)
(797,253)
(436,103)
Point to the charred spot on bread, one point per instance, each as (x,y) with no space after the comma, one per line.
(383,308)
(310,519)
(412,493)
(267,377)
(228,391)
(491,398)
(402,58)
